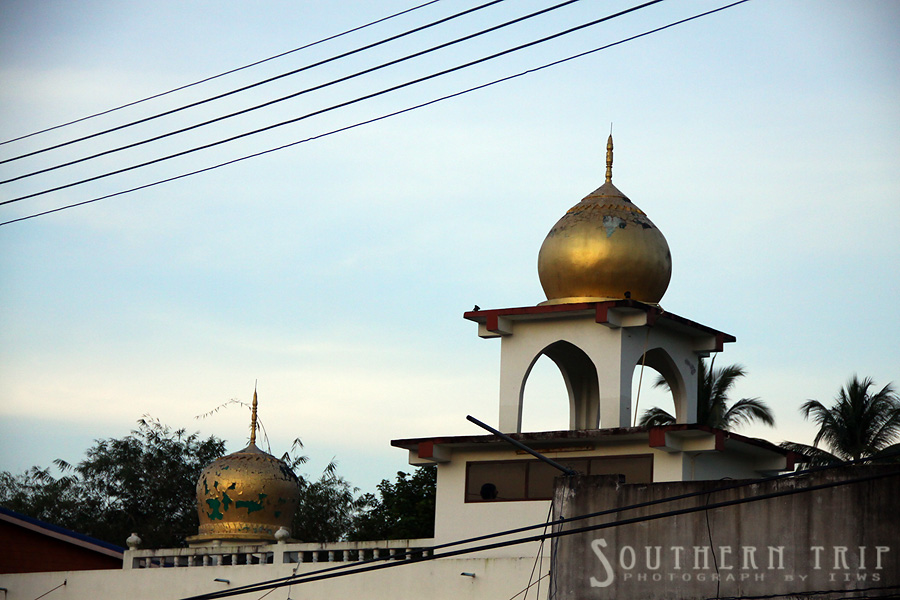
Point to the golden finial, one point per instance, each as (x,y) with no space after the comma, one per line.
(253,418)
(609,157)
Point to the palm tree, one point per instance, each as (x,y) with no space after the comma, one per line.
(859,425)
(713,407)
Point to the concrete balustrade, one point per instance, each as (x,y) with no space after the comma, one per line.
(280,553)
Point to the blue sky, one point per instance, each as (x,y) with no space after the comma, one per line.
(762,140)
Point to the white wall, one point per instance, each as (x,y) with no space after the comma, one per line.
(436,580)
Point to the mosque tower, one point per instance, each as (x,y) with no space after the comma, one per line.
(604,267)
(247,497)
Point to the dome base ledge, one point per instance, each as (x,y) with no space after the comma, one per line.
(213,539)
(577,300)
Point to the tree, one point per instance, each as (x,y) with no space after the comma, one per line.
(402,510)
(860,424)
(144,482)
(327,508)
(38,494)
(713,410)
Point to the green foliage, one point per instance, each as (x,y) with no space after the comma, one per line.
(860,424)
(327,509)
(713,410)
(38,494)
(144,483)
(402,510)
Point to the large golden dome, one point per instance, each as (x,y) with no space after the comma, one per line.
(604,248)
(245,497)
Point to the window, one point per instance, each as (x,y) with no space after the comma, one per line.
(498,481)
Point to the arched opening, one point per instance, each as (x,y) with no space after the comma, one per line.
(646,395)
(545,398)
(542,409)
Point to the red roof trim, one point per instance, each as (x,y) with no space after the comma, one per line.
(601,311)
(655,438)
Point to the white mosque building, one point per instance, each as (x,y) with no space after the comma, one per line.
(604,267)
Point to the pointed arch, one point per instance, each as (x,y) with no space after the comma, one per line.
(582,383)
(662,362)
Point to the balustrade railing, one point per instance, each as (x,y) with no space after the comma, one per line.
(280,553)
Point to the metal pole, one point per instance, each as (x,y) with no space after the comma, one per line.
(566,470)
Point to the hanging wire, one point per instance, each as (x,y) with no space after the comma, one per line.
(357,568)
(282,99)
(229,72)
(263,82)
(376,119)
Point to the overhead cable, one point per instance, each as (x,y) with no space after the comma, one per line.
(224,73)
(375,119)
(342,104)
(248,87)
(419,554)
(290,96)
(822,593)
(281,582)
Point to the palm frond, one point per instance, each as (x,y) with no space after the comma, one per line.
(662,383)
(713,387)
(656,417)
(859,423)
(747,410)
(889,454)
(812,456)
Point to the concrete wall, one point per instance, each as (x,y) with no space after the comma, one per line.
(437,580)
(837,538)
(454,519)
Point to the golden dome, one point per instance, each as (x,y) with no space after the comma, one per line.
(246,496)
(604,248)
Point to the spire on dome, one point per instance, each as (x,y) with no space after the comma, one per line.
(253,418)
(609,157)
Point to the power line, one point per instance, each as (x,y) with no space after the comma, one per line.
(418,554)
(575,531)
(562,521)
(247,87)
(229,72)
(274,583)
(346,103)
(376,119)
(819,593)
(289,96)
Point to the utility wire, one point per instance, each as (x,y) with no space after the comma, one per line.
(375,119)
(536,538)
(820,593)
(418,554)
(251,86)
(229,72)
(290,96)
(53,590)
(415,554)
(530,585)
(342,104)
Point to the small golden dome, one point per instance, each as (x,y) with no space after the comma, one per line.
(604,248)
(246,496)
